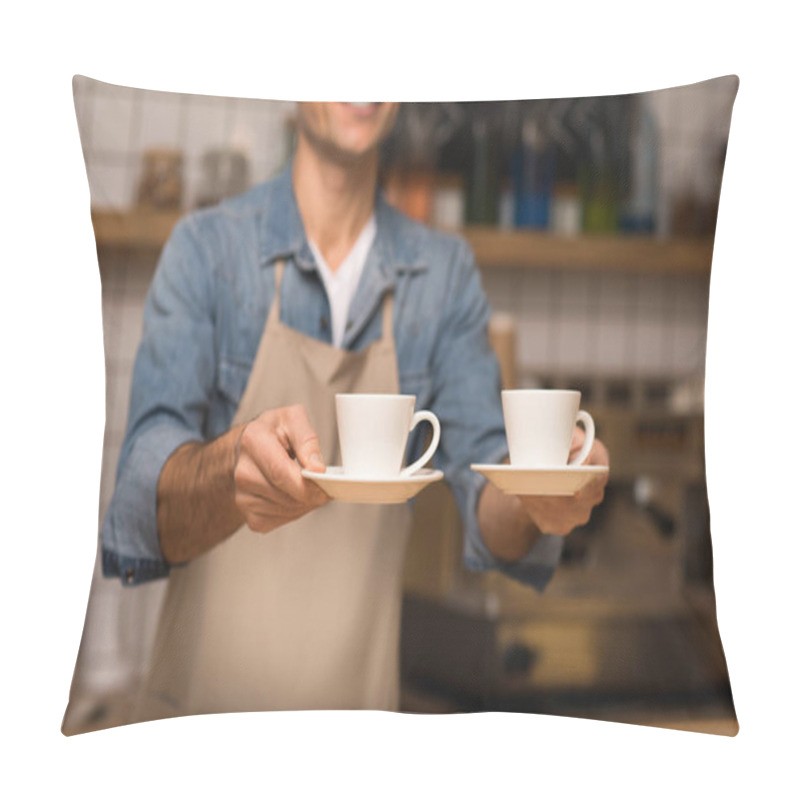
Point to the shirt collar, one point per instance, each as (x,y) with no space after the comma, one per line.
(394,250)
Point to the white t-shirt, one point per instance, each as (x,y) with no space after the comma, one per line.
(341,285)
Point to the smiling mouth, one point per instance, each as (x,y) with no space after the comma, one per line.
(363,109)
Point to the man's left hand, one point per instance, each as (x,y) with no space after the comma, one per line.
(561,515)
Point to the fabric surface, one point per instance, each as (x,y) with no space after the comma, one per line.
(642,166)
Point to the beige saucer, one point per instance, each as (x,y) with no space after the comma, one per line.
(351,489)
(551,481)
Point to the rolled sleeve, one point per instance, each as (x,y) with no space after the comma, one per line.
(467,402)
(172,380)
(130,543)
(535,568)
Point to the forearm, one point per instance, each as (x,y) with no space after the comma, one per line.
(196,506)
(505,526)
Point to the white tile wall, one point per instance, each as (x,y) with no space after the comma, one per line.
(574,291)
(112,122)
(570,338)
(649,346)
(604,324)
(159,124)
(689,347)
(113,181)
(531,290)
(118,123)
(611,346)
(207,128)
(499,286)
(533,342)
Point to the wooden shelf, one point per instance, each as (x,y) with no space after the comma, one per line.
(524,249)
(138,228)
(493,248)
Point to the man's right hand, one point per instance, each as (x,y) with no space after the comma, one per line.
(269,489)
(207,490)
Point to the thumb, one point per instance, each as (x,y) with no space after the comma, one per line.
(314,462)
(304,441)
(309,455)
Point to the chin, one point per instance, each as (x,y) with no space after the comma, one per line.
(353,155)
(354,146)
(348,132)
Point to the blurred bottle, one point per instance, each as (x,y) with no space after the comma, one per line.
(483,170)
(452,159)
(505,208)
(533,172)
(566,213)
(639,211)
(411,190)
(448,202)
(599,190)
(503,340)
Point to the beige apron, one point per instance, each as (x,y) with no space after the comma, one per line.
(307,616)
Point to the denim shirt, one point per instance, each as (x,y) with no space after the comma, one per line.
(203,320)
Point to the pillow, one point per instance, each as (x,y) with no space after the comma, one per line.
(591,221)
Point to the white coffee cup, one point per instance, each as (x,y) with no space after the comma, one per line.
(373,432)
(539,426)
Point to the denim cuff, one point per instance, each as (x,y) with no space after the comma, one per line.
(132,571)
(130,543)
(535,568)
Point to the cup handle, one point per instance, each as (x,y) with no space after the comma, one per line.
(588,424)
(419,417)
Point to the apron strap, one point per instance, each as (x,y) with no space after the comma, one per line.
(275,311)
(388,319)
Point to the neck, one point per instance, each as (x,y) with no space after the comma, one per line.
(335,199)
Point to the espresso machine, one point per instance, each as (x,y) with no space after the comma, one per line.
(627,627)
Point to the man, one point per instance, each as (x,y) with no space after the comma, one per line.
(261,310)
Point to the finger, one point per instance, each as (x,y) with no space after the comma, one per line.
(272,504)
(302,439)
(598,455)
(282,472)
(558,515)
(593,492)
(253,506)
(578,437)
(543,510)
(262,521)
(268,479)
(254,487)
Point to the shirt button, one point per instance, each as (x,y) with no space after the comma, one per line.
(129,573)
(323,323)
